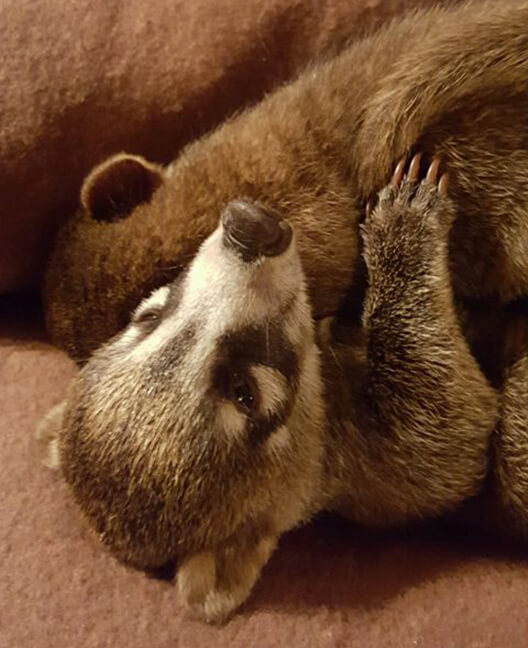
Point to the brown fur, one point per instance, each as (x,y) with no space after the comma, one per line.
(411,413)
(405,433)
(315,150)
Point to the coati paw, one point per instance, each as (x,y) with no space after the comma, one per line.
(411,215)
(212,585)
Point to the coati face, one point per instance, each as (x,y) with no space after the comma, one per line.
(203,417)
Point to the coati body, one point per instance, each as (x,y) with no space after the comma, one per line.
(220,417)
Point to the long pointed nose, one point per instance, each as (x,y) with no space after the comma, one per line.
(253,230)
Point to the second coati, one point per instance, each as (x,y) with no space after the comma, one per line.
(448,82)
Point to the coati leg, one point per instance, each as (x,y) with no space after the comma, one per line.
(214,583)
(425,410)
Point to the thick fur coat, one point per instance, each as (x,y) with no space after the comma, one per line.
(356,371)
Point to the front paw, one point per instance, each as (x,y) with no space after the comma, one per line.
(411,221)
(213,584)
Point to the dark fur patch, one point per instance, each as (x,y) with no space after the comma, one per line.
(264,344)
(170,356)
(258,345)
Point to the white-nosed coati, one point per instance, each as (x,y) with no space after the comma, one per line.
(218,418)
(231,408)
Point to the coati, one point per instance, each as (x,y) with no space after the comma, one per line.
(220,418)
(230,409)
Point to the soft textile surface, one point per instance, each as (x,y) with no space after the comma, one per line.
(328,586)
(81,80)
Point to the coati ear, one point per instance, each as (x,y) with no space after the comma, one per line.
(47,436)
(112,189)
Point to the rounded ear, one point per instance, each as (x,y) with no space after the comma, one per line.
(112,189)
(47,436)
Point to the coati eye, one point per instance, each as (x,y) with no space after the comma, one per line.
(149,318)
(243,394)
(149,315)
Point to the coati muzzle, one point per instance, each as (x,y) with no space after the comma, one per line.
(253,230)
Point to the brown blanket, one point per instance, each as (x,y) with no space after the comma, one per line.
(81,80)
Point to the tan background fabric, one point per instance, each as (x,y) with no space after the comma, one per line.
(81,80)
(327,586)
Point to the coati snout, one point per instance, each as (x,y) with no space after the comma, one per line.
(254,231)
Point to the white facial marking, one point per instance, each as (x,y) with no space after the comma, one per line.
(231,421)
(161,335)
(311,389)
(156,299)
(296,320)
(273,388)
(127,338)
(224,291)
(156,340)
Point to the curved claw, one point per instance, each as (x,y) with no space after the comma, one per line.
(432,172)
(414,167)
(398,173)
(369,207)
(443,184)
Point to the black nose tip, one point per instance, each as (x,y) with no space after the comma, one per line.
(253,230)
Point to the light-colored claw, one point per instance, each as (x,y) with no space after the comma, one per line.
(398,173)
(432,172)
(414,167)
(369,208)
(443,184)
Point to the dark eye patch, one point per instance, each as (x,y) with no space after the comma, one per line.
(237,386)
(256,345)
(263,344)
